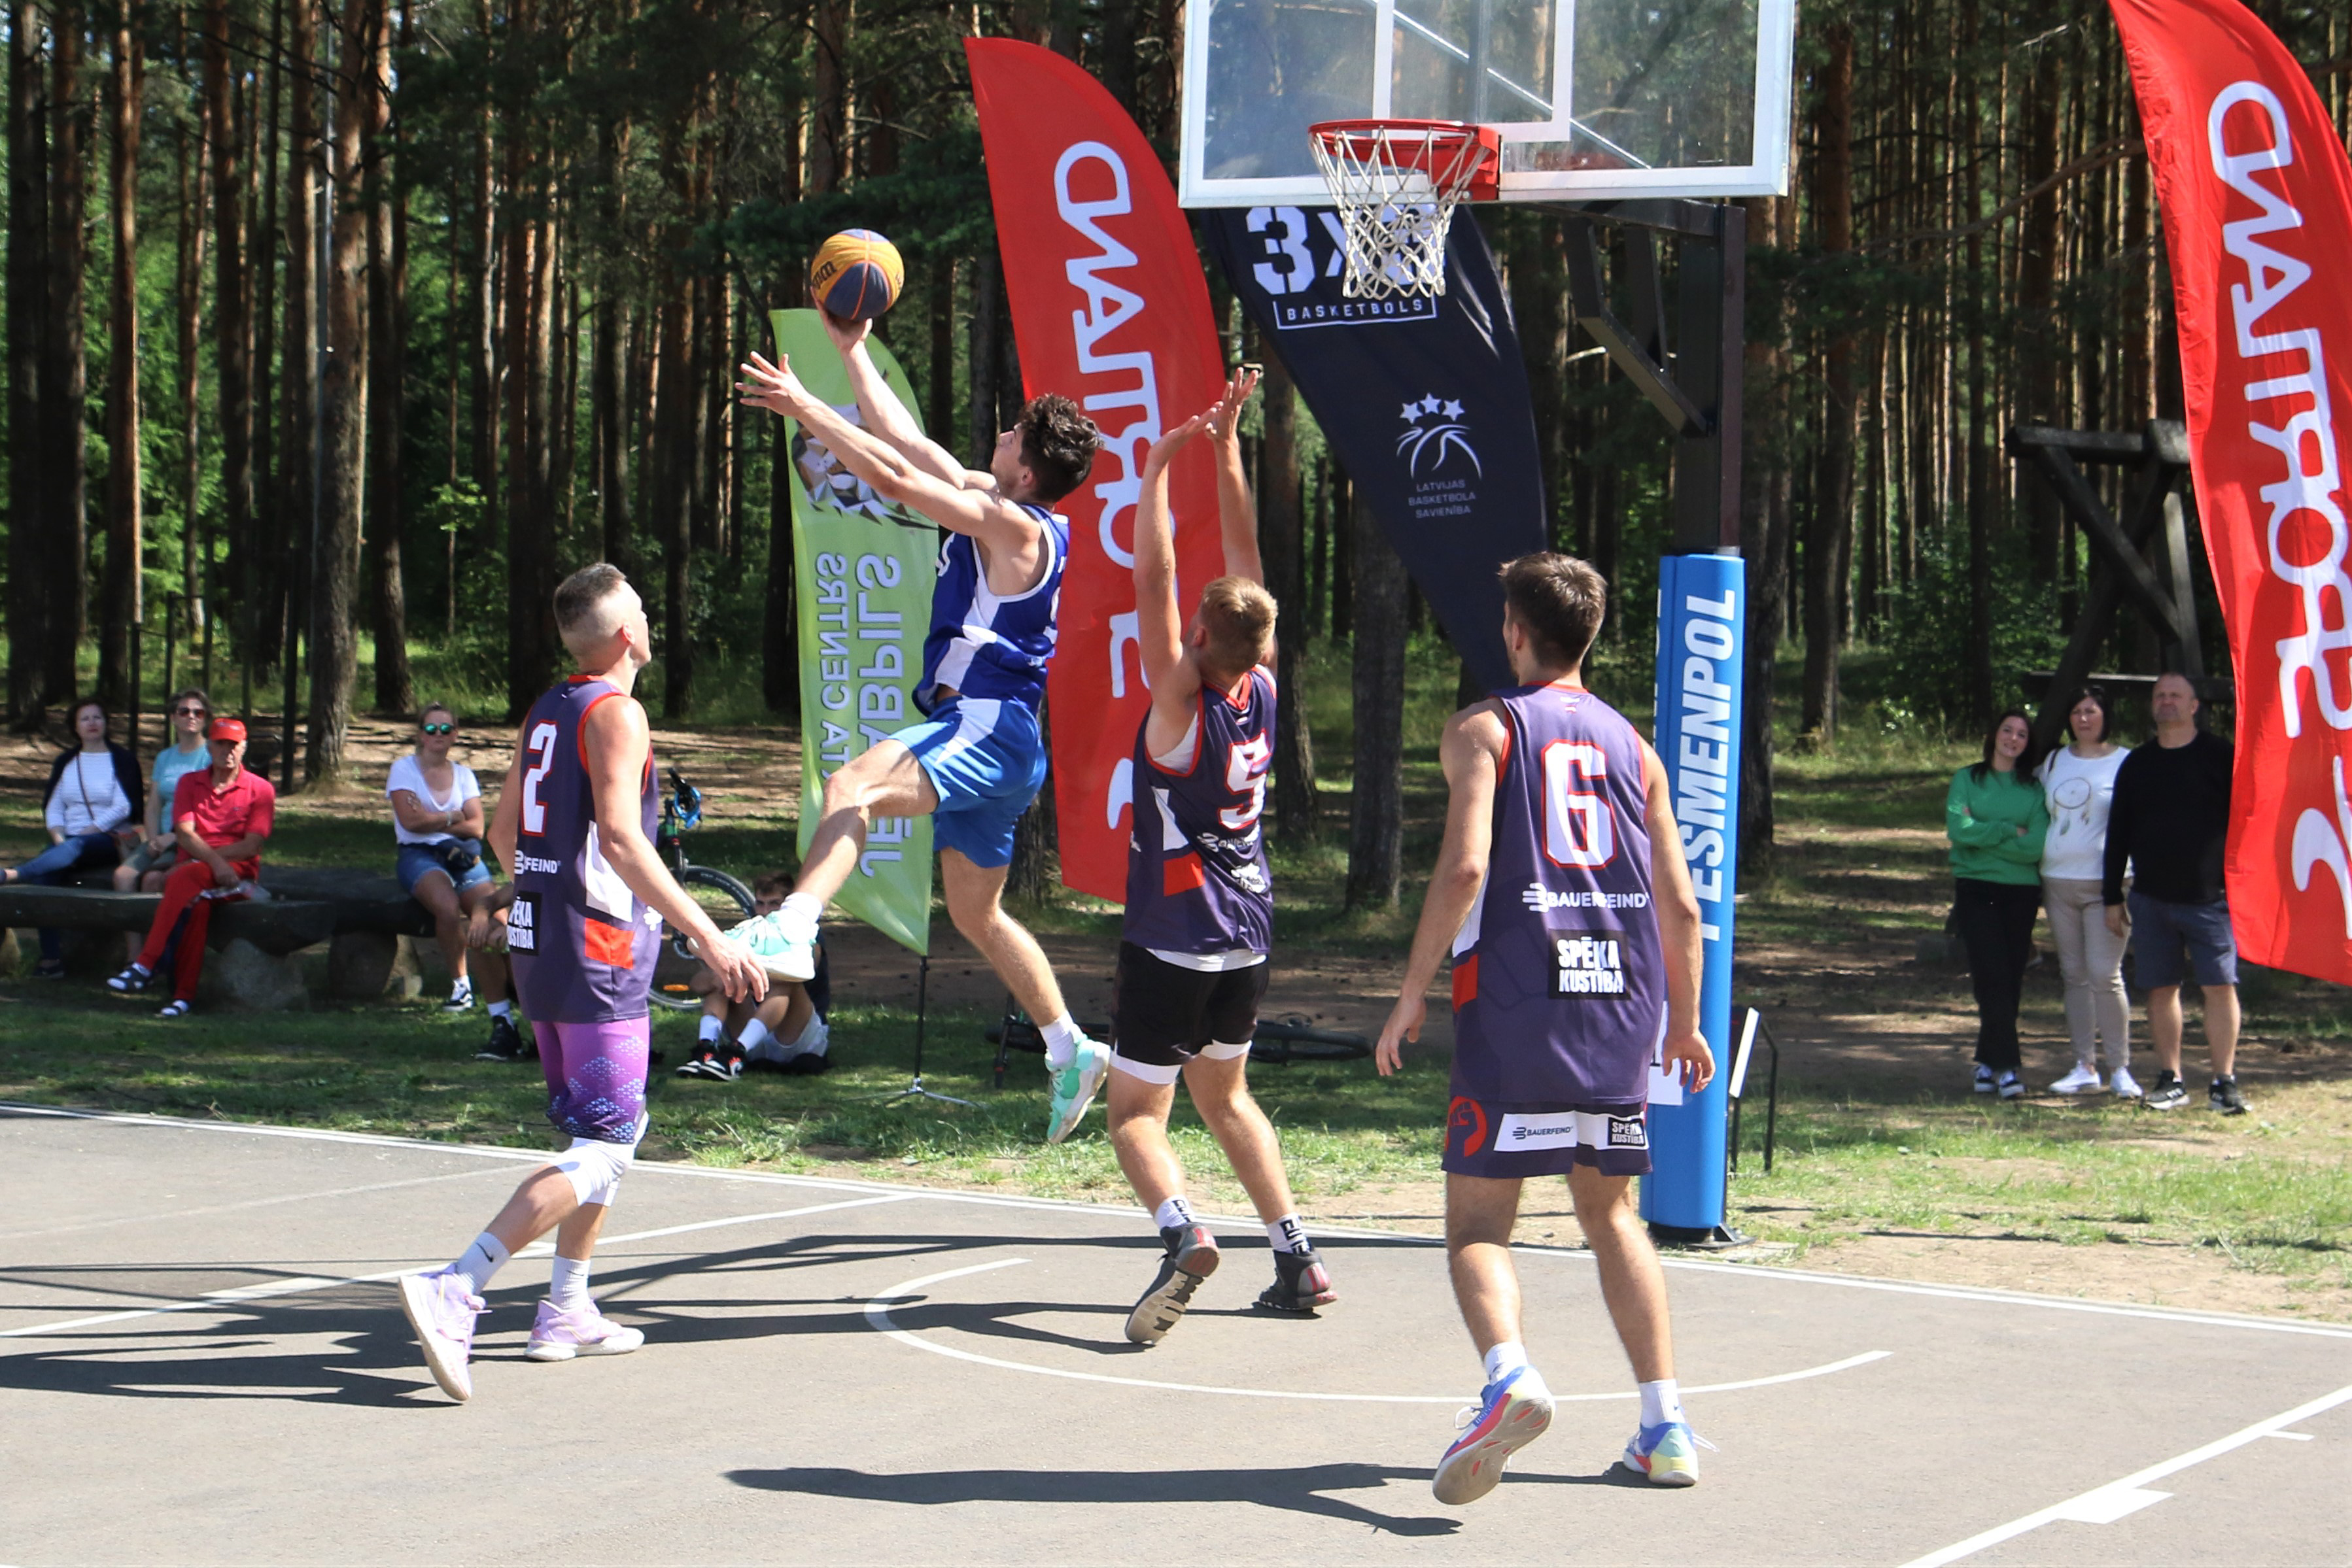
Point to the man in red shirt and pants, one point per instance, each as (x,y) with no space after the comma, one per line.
(221,817)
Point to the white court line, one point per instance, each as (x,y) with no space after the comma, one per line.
(878,1317)
(1239,1223)
(232,1207)
(2105,1504)
(292,1287)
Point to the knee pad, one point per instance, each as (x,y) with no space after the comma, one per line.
(596,1168)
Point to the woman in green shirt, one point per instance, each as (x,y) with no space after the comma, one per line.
(1995,816)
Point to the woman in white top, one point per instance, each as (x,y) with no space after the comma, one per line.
(2078,783)
(90,811)
(436,818)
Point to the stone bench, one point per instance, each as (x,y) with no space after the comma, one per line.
(366,923)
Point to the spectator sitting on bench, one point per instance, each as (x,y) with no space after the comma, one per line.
(151,855)
(437,823)
(221,817)
(90,809)
(786,1033)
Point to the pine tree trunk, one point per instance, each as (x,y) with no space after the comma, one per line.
(828,135)
(779,665)
(387,203)
(1282,549)
(1376,804)
(232,331)
(125,536)
(65,395)
(1829,539)
(298,448)
(187,299)
(30,572)
(269,495)
(980,364)
(1764,512)
(342,434)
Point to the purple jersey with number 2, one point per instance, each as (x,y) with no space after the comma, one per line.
(1196,875)
(1559,980)
(584,945)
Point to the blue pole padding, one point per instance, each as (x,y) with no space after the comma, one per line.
(1702,616)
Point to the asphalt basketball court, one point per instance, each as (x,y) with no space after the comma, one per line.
(201,1359)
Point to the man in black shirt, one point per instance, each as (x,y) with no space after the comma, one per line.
(2169,822)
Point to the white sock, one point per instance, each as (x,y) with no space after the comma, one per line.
(1173,1215)
(477,1264)
(755,1035)
(568,1286)
(1505,1359)
(798,916)
(1661,1402)
(1286,1235)
(1062,1039)
(712,1027)
(500,1009)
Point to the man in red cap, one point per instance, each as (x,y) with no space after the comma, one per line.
(221,816)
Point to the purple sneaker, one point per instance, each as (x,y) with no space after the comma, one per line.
(441,1311)
(558,1335)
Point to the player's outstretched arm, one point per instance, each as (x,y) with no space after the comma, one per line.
(616,746)
(1010,533)
(885,416)
(1159,620)
(1684,1052)
(1471,753)
(1236,507)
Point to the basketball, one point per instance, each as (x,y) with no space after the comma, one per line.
(856,274)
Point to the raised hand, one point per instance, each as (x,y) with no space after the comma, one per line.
(1225,419)
(773,387)
(1174,441)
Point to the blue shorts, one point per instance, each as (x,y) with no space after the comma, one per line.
(2161,928)
(415,859)
(986,759)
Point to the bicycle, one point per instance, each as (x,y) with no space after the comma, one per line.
(722,897)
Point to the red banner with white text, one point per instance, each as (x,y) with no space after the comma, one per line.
(2257,198)
(1111,308)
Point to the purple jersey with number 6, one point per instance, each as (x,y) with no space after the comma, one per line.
(582,944)
(1558,980)
(1196,874)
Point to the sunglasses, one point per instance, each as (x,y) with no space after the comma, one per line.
(195,712)
(439,728)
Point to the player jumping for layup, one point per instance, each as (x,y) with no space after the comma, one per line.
(976,763)
(1562,892)
(1200,905)
(576,821)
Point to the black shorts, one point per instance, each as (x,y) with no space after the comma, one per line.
(1165,1014)
(1497,1139)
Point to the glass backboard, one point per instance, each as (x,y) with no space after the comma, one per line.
(1594,98)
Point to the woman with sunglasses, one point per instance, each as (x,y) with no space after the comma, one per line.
(152,854)
(437,810)
(90,809)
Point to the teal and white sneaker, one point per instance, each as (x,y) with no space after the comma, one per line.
(1075,1087)
(786,954)
(1667,1453)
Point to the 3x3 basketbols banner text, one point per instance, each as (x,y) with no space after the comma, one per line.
(2257,199)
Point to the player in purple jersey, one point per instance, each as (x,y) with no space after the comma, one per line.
(1562,892)
(976,761)
(575,821)
(1199,904)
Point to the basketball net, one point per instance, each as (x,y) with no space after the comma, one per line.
(1396,183)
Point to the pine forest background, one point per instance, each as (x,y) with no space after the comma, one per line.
(337,333)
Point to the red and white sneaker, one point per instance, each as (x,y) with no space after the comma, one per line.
(558,1335)
(441,1311)
(1512,1412)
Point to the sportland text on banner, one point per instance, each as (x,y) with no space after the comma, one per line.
(2257,198)
(1110,308)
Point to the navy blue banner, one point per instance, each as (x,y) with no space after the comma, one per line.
(1425,402)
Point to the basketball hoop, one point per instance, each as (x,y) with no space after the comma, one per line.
(1396,183)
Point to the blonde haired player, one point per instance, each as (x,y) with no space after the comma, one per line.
(1199,904)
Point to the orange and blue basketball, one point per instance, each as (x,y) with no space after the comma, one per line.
(856,274)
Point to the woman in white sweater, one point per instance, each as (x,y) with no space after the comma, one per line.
(91,811)
(2078,783)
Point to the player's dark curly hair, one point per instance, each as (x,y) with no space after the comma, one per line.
(1560,599)
(1059,443)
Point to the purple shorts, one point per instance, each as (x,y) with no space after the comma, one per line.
(595,1076)
(1487,1138)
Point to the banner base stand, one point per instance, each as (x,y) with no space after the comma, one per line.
(1694,1238)
(915,1090)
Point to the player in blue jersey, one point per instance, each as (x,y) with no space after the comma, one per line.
(1562,893)
(575,821)
(1199,902)
(976,763)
